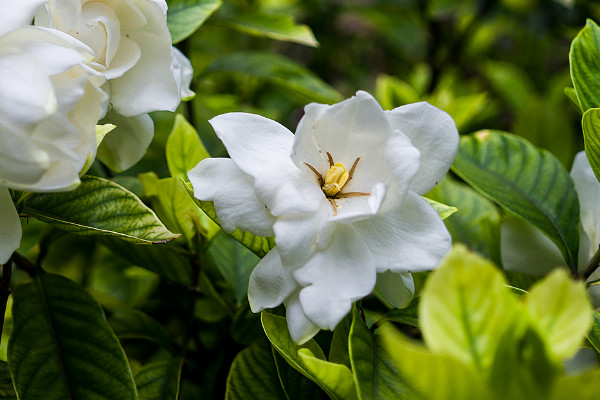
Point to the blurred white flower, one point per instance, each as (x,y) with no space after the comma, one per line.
(50,102)
(342,198)
(132,46)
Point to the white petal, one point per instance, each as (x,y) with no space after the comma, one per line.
(232,191)
(149,85)
(354,209)
(20,160)
(270,283)
(335,277)
(127,143)
(130,15)
(301,328)
(525,249)
(398,289)
(182,71)
(127,55)
(411,237)
(434,133)
(261,148)
(10,226)
(404,160)
(17,13)
(588,191)
(298,235)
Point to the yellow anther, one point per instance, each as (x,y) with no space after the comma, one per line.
(336,178)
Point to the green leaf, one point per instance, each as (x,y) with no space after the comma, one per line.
(184,149)
(561,311)
(443,210)
(526,181)
(7,390)
(61,346)
(338,350)
(167,260)
(463,319)
(259,245)
(466,225)
(594,334)
(581,387)
(407,315)
(253,375)
(160,380)
(308,359)
(572,96)
(591,138)
(99,207)
(295,385)
(584,61)
(133,324)
(279,70)
(234,261)
(408,369)
(185,16)
(362,356)
(275,26)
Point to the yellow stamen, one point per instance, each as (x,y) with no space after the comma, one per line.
(336,178)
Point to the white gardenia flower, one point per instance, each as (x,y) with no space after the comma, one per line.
(50,102)
(132,46)
(342,198)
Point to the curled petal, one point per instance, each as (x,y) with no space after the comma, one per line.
(588,192)
(232,191)
(301,328)
(335,277)
(270,283)
(434,134)
(17,13)
(397,288)
(411,237)
(10,226)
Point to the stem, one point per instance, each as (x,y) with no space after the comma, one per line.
(591,265)
(4,291)
(24,264)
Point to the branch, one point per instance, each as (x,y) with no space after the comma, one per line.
(591,266)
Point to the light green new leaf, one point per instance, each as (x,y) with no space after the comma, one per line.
(184,149)
(259,245)
(443,210)
(308,359)
(420,374)
(581,387)
(584,61)
(279,70)
(591,138)
(160,380)
(99,207)
(61,346)
(463,319)
(526,181)
(253,374)
(234,261)
(362,356)
(275,26)
(185,16)
(559,308)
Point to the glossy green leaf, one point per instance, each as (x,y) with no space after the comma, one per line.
(99,207)
(465,226)
(253,375)
(133,324)
(338,350)
(308,359)
(275,26)
(295,385)
(590,123)
(61,346)
(185,16)
(584,61)
(426,375)
(259,245)
(572,96)
(561,311)
(234,261)
(7,390)
(526,181)
(279,70)
(463,319)
(362,356)
(160,380)
(443,210)
(184,149)
(167,260)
